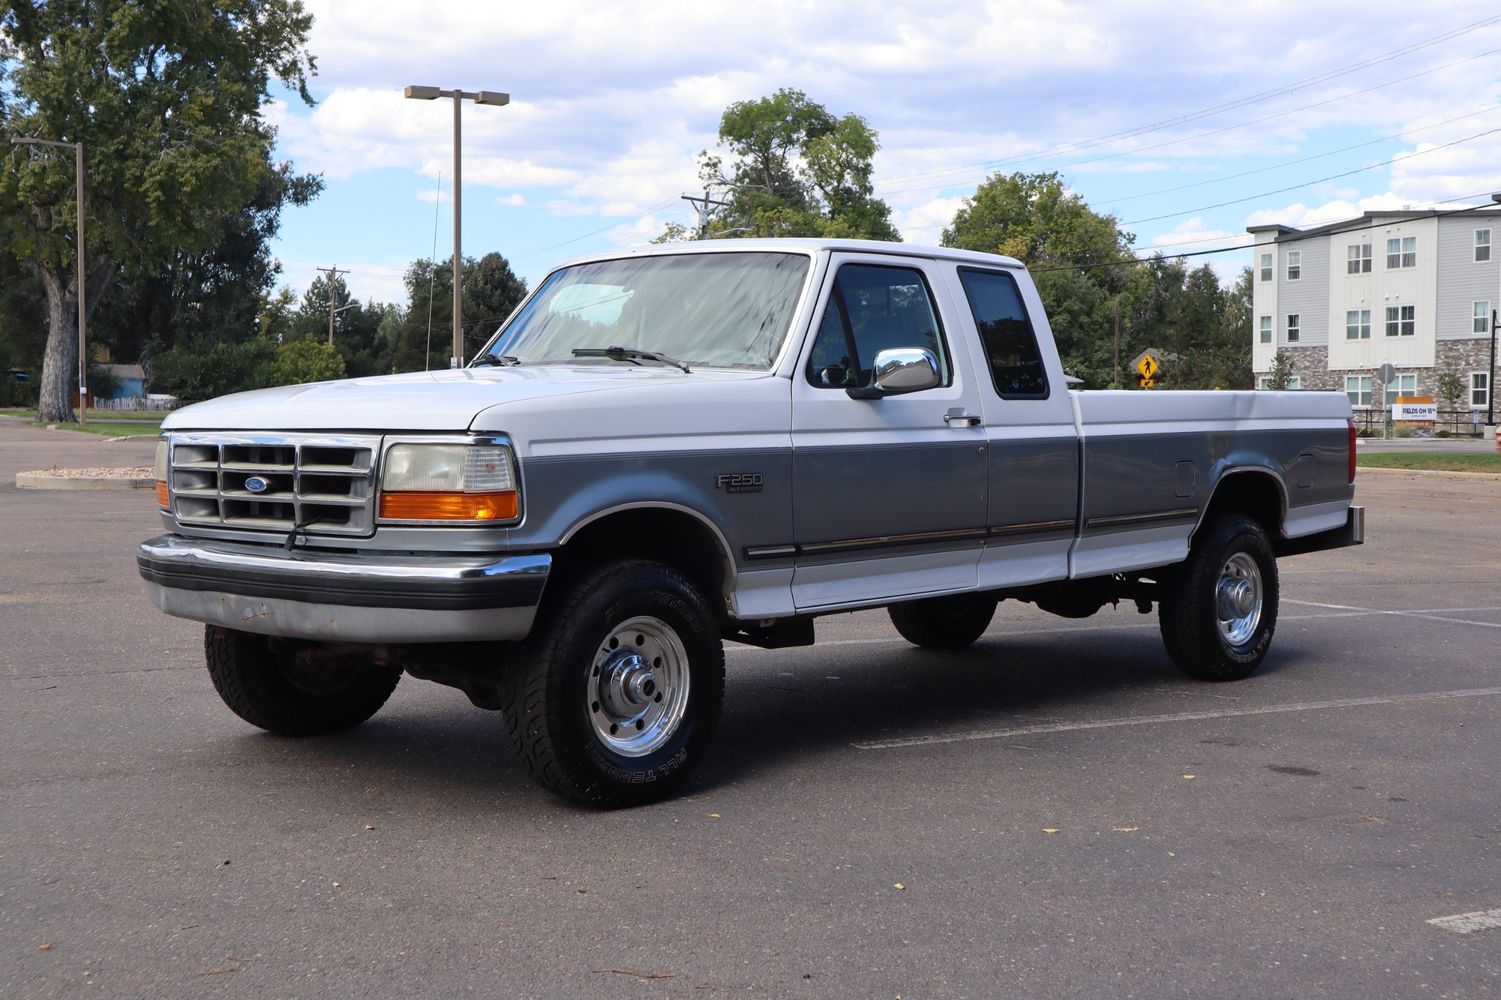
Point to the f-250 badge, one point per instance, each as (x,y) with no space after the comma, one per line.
(739,482)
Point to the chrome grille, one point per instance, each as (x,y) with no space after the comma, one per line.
(324,484)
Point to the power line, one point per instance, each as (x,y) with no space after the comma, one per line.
(1320,180)
(1305,159)
(1364,225)
(1208,132)
(1227,106)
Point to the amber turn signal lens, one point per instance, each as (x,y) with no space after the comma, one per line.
(162,499)
(425,506)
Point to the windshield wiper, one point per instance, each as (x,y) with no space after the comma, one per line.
(628,354)
(502,360)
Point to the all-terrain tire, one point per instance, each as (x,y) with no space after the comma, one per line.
(1218,610)
(944,622)
(619,687)
(266,689)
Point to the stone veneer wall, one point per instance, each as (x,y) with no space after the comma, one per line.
(1311,365)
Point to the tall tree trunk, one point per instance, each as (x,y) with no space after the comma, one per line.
(60,363)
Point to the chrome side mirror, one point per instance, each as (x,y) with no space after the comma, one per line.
(899,370)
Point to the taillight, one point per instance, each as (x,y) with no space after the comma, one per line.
(1351,478)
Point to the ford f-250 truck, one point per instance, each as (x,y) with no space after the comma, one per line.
(665,449)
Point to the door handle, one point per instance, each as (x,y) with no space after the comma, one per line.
(956,417)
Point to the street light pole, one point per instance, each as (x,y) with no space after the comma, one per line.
(495,99)
(83,361)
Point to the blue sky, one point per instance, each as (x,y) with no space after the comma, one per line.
(1189,122)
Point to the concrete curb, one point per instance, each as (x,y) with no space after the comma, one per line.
(40,480)
(1364,470)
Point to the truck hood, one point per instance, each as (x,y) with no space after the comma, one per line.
(447,400)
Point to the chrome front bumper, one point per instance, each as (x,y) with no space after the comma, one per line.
(344,597)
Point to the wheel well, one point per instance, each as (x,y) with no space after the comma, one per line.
(664,535)
(1253,494)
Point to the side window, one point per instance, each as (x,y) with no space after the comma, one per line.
(873,308)
(1010,343)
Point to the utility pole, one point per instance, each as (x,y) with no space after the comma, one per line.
(701,209)
(333,275)
(1117,341)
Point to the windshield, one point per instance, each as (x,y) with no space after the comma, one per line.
(719,310)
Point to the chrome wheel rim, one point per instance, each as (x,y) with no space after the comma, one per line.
(1238,598)
(638,687)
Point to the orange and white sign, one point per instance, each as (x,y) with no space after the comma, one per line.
(1415,409)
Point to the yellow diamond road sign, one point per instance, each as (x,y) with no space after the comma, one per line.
(1148,366)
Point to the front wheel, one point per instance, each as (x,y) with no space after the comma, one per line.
(620,686)
(1219,609)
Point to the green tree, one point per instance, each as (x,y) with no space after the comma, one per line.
(1281,375)
(199,297)
(166,97)
(1452,387)
(491,291)
(299,361)
(193,374)
(789,167)
(1080,260)
(1035,219)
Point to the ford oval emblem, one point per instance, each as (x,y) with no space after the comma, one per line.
(257,484)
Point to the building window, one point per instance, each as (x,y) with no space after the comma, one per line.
(1358,388)
(1266,267)
(1401,252)
(1401,321)
(1482,245)
(1294,327)
(1294,382)
(1266,329)
(1358,324)
(1482,317)
(1294,265)
(1480,390)
(1358,258)
(1402,385)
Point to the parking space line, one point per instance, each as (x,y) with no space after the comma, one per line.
(1149,720)
(1429,615)
(1469,923)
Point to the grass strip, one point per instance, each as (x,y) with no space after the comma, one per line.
(1434,461)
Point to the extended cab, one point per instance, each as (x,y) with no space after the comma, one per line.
(666,449)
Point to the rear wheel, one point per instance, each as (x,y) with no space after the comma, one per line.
(1219,609)
(267,687)
(620,686)
(944,622)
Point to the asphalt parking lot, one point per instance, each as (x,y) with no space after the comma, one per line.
(1052,813)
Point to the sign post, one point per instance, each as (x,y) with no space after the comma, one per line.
(1386,373)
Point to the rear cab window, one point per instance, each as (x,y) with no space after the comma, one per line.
(1006,333)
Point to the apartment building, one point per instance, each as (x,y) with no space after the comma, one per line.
(1415,289)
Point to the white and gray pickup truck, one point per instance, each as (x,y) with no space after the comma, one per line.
(665,449)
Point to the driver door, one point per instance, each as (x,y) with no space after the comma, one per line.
(889,494)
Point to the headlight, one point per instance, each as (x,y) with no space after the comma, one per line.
(159,472)
(449,482)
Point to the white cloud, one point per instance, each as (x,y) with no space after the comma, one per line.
(612,103)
